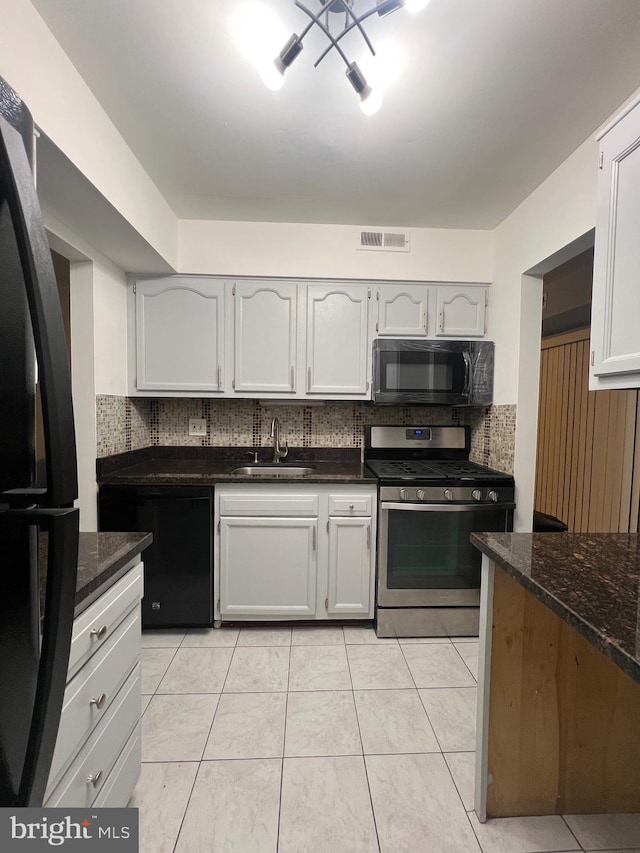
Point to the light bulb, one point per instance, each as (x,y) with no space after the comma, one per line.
(271,75)
(258,32)
(385,67)
(372,103)
(414,6)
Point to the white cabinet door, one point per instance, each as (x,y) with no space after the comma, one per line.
(402,310)
(268,567)
(337,340)
(179,334)
(460,311)
(615,336)
(265,337)
(350,566)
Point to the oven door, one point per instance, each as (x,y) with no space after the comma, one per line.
(425,557)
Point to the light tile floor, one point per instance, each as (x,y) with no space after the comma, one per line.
(325,738)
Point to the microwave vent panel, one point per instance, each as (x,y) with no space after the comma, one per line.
(384,241)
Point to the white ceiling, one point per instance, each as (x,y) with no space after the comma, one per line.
(494,96)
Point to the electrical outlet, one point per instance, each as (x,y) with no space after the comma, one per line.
(197,426)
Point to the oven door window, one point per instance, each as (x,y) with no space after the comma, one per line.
(415,372)
(431,550)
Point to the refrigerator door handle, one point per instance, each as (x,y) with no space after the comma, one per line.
(62,566)
(48,329)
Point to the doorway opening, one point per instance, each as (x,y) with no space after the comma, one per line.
(588,451)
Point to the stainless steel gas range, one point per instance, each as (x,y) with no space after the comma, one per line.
(431,498)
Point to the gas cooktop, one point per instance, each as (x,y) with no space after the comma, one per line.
(442,469)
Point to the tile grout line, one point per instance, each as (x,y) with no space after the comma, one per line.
(284,743)
(572,832)
(465,663)
(364,759)
(195,778)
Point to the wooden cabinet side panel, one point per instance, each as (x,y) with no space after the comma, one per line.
(562,717)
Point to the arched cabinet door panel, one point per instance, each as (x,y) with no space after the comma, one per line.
(337,340)
(461,311)
(265,316)
(179,334)
(402,310)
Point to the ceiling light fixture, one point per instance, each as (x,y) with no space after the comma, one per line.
(250,30)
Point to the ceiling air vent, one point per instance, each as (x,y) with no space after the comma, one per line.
(384,241)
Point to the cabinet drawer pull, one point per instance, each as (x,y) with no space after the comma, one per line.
(99,702)
(99,633)
(351,507)
(94,778)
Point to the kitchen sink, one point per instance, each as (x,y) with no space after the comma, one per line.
(272,470)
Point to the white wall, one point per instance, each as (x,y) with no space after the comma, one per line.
(63,106)
(110,328)
(98,348)
(329,251)
(559,213)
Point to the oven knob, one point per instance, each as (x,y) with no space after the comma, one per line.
(476,494)
(404,494)
(420,494)
(493,496)
(448,494)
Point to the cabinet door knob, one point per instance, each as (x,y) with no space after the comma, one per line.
(99,633)
(94,778)
(99,701)
(351,507)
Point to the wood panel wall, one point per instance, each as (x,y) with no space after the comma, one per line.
(588,463)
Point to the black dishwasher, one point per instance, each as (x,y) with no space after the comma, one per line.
(178,566)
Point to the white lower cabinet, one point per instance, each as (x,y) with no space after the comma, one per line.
(295,552)
(97,757)
(350,553)
(268,567)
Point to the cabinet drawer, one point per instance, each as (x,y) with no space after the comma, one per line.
(102,674)
(350,504)
(99,754)
(118,788)
(93,628)
(277,503)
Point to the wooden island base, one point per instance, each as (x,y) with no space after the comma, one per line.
(558,722)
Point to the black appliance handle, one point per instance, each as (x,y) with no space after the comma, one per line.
(48,329)
(62,566)
(466,391)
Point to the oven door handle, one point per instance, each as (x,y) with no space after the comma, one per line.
(447,507)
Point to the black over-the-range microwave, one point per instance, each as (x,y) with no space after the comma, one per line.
(445,373)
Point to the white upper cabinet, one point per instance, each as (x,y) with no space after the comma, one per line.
(338,352)
(403,310)
(460,311)
(265,315)
(179,334)
(615,323)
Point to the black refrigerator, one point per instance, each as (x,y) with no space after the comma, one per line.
(38,523)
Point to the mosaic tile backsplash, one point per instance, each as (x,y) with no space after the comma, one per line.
(125,423)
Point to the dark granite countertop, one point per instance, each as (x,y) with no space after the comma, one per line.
(206,466)
(591,581)
(102,560)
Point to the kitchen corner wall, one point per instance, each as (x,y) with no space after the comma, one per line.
(129,423)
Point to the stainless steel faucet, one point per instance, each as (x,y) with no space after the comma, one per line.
(278,452)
